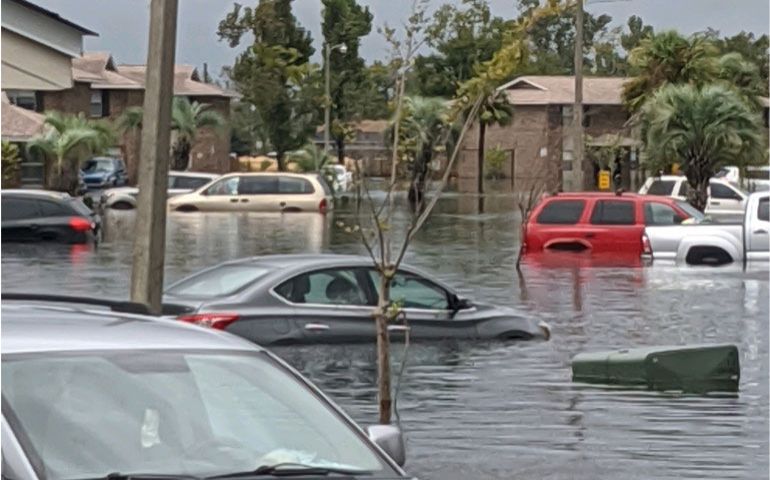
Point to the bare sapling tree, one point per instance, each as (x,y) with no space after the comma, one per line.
(387,231)
(527,193)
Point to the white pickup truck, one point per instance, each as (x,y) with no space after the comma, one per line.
(712,243)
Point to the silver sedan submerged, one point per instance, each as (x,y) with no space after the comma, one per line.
(287,299)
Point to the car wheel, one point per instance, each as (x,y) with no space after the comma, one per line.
(122,206)
(708,256)
(186,208)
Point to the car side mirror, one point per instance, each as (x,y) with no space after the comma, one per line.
(458,303)
(390,439)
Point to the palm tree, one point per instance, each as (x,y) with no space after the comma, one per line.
(310,158)
(666,58)
(703,129)
(424,132)
(66,141)
(743,75)
(494,110)
(186,120)
(129,124)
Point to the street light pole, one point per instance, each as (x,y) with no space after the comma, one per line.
(327,91)
(578,171)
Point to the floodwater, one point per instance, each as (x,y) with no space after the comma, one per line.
(497,410)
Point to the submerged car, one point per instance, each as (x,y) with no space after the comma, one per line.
(47,216)
(103,172)
(91,393)
(124,198)
(259,192)
(726,200)
(286,299)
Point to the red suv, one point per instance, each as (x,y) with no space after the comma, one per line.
(600,222)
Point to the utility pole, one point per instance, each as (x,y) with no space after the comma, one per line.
(150,231)
(578,169)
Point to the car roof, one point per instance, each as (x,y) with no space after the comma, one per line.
(676,178)
(37,193)
(193,174)
(30,327)
(594,195)
(271,174)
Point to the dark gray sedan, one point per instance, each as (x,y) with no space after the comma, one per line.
(287,299)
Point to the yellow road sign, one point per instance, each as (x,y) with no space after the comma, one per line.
(604,180)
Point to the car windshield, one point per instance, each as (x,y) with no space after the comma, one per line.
(98,166)
(88,414)
(693,212)
(661,187)
(219,281)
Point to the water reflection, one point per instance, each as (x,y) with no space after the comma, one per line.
(497,410)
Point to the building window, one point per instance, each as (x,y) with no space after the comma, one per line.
(99,104)
(23,98)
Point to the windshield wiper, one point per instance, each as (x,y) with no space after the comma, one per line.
(145,476)
(289,469)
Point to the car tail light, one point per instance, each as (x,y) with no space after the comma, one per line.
(217,321)
(323,206)
(80,224)
(646,247)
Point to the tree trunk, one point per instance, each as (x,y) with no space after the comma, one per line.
(64,179)
(279,160)
(180,155)
(340,150)
(482,134)
(383,351)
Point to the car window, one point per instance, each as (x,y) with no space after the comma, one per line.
(53,209)
(762,210)
(220,281)
(661,187)
(337,286)
(226,186)
(691,211)
(413,291)
(758,173)
(561,212)
(613,212)
(723,192)
(88,414)
(19,208)
(660,214)
(258,185)
(190,183)
(294,185)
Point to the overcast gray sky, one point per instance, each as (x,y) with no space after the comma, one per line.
(122,24)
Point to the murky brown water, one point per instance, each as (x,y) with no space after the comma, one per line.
(495,410)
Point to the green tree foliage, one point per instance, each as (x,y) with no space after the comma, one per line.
(11,165)
(495,162)
(423,133)
(703,129)
(461,37)
(755,50)
(270,72)
(376,93)
(552,39)
(187,119)
(248,132)
(67,141)
(669,58)
(345,22)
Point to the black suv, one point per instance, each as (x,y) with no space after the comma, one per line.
(40,215)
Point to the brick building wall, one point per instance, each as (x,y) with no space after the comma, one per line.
(210,153)
(534,142)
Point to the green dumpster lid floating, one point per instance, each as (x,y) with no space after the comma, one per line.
(691,368)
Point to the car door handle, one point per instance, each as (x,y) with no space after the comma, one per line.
(244,200)
(33,226)
(283,204)
(761,231)
(233,200)
(590,235)
(715,203)
(398,328)
(316,327)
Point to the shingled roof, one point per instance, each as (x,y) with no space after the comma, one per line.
(560,90)
(100,70)
(19,124)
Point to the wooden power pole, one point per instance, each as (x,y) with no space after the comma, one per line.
(150,231)
(578,169)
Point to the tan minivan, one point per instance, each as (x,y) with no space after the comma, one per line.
(258,192)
